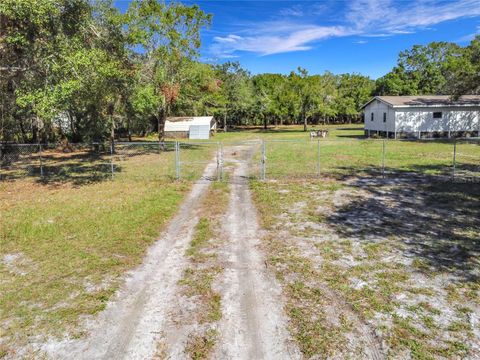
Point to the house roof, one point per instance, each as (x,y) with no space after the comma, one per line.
(427,100)
(190,118)
(183,123)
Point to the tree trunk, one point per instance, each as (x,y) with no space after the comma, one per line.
(22,130)
(161,126)
(112,134)
(72,126)
(111,111)
(225,120)
(304,123)
(35,130)
(129,133)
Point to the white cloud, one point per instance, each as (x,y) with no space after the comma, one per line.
(320,8)
(228,39)
(369,18)
(295,10)
(379,35)
(272,42)
(385,16)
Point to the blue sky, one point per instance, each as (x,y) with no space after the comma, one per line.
(363,36)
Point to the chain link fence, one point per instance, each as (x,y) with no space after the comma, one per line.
(456,159)
(20,160)
(192,157)
(442,159)
(466,160)
(145,160)
(84,163)
(447,159)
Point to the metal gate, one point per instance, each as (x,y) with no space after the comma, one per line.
(192,158)
(248,154)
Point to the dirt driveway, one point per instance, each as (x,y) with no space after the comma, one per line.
(139,318)
(254,325)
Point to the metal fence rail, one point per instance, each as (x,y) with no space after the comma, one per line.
(83,162)
(447,159)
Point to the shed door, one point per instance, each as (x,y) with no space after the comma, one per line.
(199,132)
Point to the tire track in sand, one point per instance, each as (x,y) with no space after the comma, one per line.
(132,324)
(253,324)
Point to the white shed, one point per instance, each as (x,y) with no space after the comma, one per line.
(417,115)
(198,127)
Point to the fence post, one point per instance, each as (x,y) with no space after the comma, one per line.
(264,160)
(218,161)
(383,159)
(41,160)
(112,169)
(221,160)
(454,159)
(177,160)
(318,157)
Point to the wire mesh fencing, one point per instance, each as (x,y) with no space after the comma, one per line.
(78,163)
(192,158)
(446,159)
(317,158)
(289,158)
(217,160)
(455,159)
(20,160)
(85,163)
(144,160)
(247,155)
(443,159)
(466,161)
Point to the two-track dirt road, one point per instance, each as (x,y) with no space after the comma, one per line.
(253,324)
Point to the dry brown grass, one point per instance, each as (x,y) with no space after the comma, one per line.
(400,258)
(64,244)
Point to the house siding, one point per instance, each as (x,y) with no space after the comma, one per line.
(420,119)
(378,108)
(453,119)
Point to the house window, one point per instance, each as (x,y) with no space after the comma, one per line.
(437,115)
(384,117)
(371,116)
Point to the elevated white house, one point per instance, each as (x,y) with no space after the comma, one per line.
(193,127)
(420,115)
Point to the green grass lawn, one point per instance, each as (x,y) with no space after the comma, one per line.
(347,152)
(66,239)
(365,157)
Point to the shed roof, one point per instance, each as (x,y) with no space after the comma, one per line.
(427,100)
(182,123)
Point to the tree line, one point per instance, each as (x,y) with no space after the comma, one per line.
(83,71)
